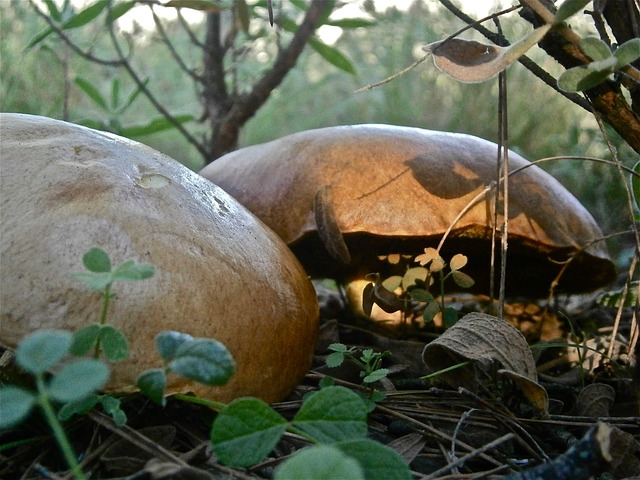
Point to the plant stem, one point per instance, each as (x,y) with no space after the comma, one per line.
(217,406)
(106,295)
(105,305)
(58,431)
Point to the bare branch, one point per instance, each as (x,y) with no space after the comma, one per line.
(529,64)
(147,93)
(65,38)
(174,53)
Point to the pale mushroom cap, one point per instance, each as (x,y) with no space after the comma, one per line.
(397,190)
(220,273)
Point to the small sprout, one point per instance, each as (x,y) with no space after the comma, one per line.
(100,277)
(415,284)
(203,360)
(37,354)
(369,362)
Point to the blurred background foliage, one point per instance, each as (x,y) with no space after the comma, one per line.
(49,79)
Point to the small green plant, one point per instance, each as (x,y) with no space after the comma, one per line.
(605,63)
(37,354)
(245,430)
(368,361)
(100,277)
(203,360)
(333,419)
(414,287)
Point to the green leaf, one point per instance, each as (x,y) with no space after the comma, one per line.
(95,281)
(334,359)
(376,375)
(131,271)
(320,462)
(92,92)
(635,184)
(430,311)
(119,9)
(15,405)
(156,125)
(168,342)
(200,5)
(78,407)
(595,48)
(332,414)
(86,15)
(338,347)
(43,349)
(450,316)
(578,79)
(40,37)
(462,279)
(111,407)
(133,95)
(326,382)
(114,344)
(378,461)
(54,13)
(420,295)
(96,260)
(332,55)
(78,380)
(245,431)
(203,360)
(569,8)
(352,23)
(115,93)
(628,52)
(84,340)
(413,274)
(152,383)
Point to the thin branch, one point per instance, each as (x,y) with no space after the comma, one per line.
(187,28)
(529,64)
(63,36)
(285,61)
(174,53)
(147,93)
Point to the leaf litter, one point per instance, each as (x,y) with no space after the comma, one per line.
(489,417)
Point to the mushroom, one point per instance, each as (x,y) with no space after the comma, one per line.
(341,197)
(220,273)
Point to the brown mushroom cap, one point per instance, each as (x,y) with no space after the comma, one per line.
(397,190)
(220,273)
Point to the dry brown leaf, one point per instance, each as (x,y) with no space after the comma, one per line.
(493,347)
(408,446)
(595,400)
(470,61)
(125,458)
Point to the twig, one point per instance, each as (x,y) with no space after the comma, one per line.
(136,438)
(172,50)
(394,76)
(489,446)
(147,93)
(63,36)
(529,64)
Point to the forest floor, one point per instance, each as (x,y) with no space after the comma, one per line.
(441,431)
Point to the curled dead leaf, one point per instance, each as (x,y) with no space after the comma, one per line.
(378,294)
(471,62)
(595,400)
(494,348)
